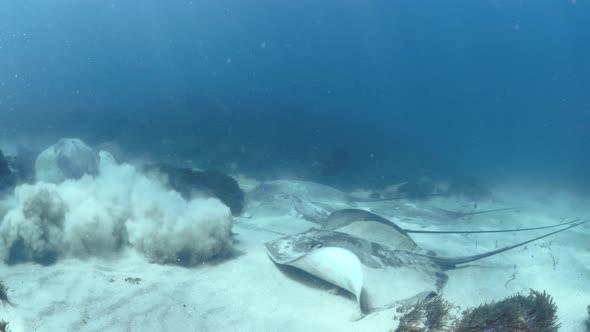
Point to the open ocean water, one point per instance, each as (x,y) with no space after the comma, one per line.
(368,91)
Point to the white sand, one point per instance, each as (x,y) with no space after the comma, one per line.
(249,293)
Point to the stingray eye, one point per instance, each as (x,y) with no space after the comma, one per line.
(317,245)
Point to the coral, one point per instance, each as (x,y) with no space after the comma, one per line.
(588,319)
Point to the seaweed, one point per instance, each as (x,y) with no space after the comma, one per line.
(426,316)
(533,313)
(4,326)
(410,321)
(437,311)
(133,281)
(4,294)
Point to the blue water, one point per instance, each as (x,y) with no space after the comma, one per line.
(343,92)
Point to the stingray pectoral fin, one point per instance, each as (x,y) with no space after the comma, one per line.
(335,265)
(451,262)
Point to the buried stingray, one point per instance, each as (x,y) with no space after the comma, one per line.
(379,276)
(315,202)
(314,192)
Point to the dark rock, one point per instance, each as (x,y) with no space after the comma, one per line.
(24,163)
(189,183)
(7,177)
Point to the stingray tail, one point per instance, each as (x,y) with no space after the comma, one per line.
(458,215)
(417,231)
(395,198)
(451,262)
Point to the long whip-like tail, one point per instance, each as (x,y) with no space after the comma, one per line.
(417,231)
(451,262)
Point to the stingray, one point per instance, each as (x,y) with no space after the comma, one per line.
(462,214)
(310,190)
(375,228)
(346,217)
(383,276)
(281,197)
(311,200)
(315,202)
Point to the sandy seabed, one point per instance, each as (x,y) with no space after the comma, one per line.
(247,292)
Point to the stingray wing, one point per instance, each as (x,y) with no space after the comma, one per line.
(371,227)
(335,265)
(378,276)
